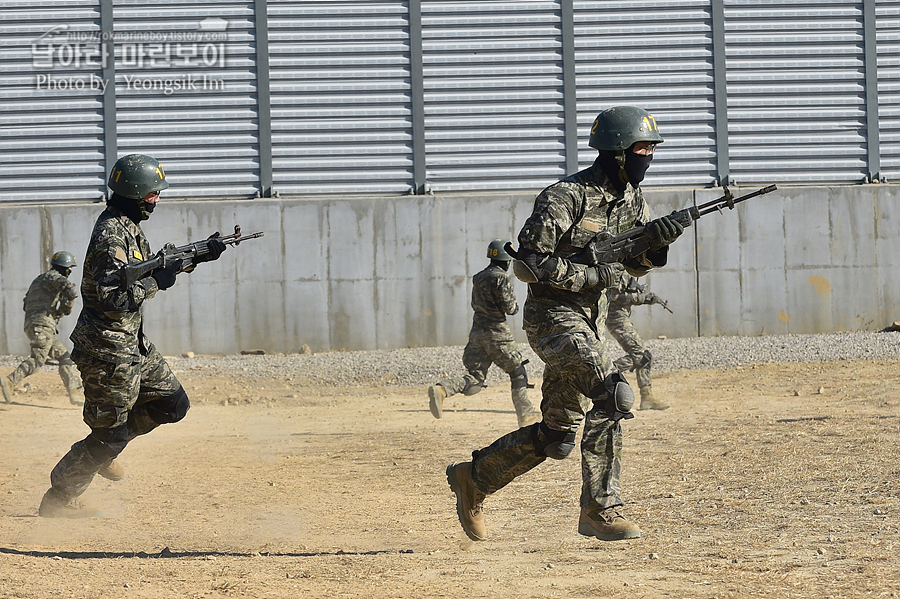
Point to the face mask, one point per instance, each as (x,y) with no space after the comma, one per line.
(636,166)
(146,210)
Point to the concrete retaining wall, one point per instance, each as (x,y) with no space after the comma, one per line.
(366,273)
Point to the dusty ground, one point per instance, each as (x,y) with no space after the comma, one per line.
(774,481)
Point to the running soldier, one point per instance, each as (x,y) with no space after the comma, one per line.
(622,297)
(49,298)
(490,341)
(129,388)
(564,320)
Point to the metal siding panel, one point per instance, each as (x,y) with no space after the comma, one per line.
(796,91)
(51,148)
(657,55)
(199,116)
(493,95)
(341,109)
(887,23)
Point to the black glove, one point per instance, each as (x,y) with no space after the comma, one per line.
(215,247)
(165,277)
(603,275)
(663,231)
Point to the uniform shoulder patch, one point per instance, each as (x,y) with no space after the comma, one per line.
(590,225)
(121,256)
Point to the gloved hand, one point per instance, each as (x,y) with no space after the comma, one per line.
(651,298)
(215,247)
(603,275)
(165,277)
(663,231)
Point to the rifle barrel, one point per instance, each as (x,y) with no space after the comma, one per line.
(715,205)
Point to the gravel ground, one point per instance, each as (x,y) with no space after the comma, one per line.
(422,366)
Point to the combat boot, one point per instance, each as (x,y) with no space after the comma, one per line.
(469,500)
(436,396)
(607,525)
(112,470)
(648,402)
(54,505)
(76,397)
(6,387)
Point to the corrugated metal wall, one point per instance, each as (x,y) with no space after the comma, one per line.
(340,80)
(493,94)
(51,121)
(394,96)
(657,55)
(186,92)
(888,35)
(796,91)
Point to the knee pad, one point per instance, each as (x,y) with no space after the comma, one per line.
(106,443)
(552,443)
(167,410)
(518,378)
(615,397)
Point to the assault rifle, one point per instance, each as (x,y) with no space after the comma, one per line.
(664,304)
(183,255)
(605,248)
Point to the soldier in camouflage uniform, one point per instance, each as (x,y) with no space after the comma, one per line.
(563,319)
(490,341)
(129,388)
(627,293)
(49,298)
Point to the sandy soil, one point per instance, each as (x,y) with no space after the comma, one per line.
(774,481)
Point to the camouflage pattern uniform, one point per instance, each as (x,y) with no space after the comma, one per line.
(491,340)
(49,298)
(129,387)
(564,323)
(626,294)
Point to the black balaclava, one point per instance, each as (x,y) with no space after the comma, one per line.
(636,166)
(130,207)
(632,172)
(610,167)
(501,263)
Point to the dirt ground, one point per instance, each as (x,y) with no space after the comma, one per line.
(769,481)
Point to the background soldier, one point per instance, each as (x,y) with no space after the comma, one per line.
(622,297)
(564,321)
(129,388)
(49,298)
(490,341)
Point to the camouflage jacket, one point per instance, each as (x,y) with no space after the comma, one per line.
(566,216)
(110,324)
(492,297)
(49,298)
(627,293)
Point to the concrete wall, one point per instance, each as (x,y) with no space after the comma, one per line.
(367,273)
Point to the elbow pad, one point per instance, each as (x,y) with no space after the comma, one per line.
(533,267)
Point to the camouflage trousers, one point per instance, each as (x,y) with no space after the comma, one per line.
(45,345)
(619,325)
(121,402)
(485,347)
(576,364)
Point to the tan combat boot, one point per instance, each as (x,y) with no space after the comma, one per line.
(54,505)
(76,397)
(436,397)
(648,402)
(6,387)
(607,525)
(112,470)
(469,500)
(525,412)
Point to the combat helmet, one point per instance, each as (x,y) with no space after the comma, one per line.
(496,251)
(63,260)
(619,127)
(135,175)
